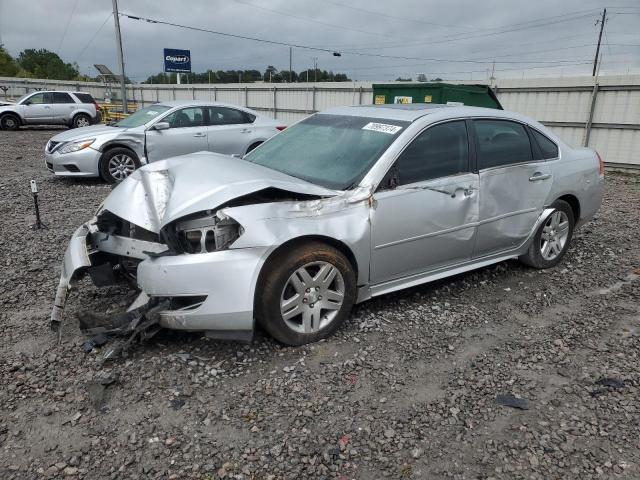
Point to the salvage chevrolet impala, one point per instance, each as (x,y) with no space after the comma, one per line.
(348,204)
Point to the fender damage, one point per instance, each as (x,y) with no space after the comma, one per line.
(138,232)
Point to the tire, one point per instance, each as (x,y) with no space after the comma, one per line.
(81,120)
(252,146)
(551,241)
(10,122)
(306,319)
(117,164)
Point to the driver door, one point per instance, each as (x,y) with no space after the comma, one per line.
(38,108)
(187,133)
(425,214)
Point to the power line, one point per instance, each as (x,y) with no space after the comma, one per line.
(318,49)
(64,34)
(457,37)
(386,15)
(313,20)
(92,38)
(579,14)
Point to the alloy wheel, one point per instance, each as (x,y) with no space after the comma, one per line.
(82,122)
(121,166)
(554,235)
(312,297)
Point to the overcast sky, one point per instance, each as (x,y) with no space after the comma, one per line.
(454,39)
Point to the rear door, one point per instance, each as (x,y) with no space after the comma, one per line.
(514,185)
(38,108)
(230,130)
(429,219)
(187,134)
(63,107)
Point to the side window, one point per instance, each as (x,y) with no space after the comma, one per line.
(501,142)
(85,97)
(439,151)
(186,117)
(61,97)
(547,147)
(39,99)
(227,116)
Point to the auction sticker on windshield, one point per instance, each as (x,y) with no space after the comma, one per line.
(382,127)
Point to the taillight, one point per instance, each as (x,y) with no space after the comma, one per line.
(281,127)
(600,165)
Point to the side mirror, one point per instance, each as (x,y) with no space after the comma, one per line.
(236,155)
(27,102)
(162,126)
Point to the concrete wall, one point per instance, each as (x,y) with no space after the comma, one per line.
(611,120)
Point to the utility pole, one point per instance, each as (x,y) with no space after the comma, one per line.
(315,69)
(290,62)
(602,22)
(123,87)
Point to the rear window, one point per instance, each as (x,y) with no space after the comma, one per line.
(61,97)
(547,147)
(228,116)
(85,97)
(501,143)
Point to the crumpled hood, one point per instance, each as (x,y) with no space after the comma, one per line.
(85,132)
(163,191)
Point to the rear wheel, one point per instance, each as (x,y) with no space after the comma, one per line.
(81,120)
(117,164)
(552,239)
(9,122)
(305,293)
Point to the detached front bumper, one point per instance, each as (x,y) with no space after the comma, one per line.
(206,291)
(76,260)
(83,163)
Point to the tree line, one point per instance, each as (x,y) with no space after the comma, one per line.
(271,74)
(38,63)
(42,63)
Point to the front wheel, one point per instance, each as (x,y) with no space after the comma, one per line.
(305,293)
(9,122)
(552,238)
(117,164)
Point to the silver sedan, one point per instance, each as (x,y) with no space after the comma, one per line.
(345,205)
(153,133)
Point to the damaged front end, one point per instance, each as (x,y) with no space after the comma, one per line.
(108,249)
(173,230)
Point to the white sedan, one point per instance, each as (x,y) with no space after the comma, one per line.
(163,130)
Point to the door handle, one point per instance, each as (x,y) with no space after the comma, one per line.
(199,134)
(539,176)
(245,130)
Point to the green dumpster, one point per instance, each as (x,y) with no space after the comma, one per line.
(471,95)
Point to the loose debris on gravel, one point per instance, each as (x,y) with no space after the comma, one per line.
(407,389)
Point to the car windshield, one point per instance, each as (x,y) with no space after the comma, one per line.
(334,151)
(142,116)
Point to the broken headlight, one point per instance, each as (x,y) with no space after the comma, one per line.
(207,234)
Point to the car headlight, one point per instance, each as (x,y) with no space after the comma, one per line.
(207,234)
(75,146)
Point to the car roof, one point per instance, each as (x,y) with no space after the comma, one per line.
(412,111)
(184,103)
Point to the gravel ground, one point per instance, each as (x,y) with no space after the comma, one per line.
(406,389)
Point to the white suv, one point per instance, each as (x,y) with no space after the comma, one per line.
(75,109)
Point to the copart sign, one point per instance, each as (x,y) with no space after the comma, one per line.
(177,60)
